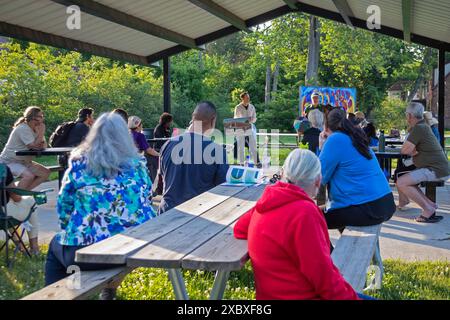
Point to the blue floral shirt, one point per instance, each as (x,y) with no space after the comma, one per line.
(91,209)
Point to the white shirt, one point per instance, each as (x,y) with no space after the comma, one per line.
(19,139)
(242,112)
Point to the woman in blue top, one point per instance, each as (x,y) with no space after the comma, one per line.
(371,133)
(105,191)
(358,191)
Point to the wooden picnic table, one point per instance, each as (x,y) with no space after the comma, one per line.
(196,235)
(45,152)
(385,159)
(393,141)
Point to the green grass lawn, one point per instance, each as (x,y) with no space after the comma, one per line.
(402,280)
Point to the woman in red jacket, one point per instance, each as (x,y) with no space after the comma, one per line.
(288,239)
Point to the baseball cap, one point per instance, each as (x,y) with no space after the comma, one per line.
(315,94)
(134,122)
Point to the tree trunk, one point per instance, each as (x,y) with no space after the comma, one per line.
(422,74)
(312,69)
(200,58)
(267,89)
(275,75)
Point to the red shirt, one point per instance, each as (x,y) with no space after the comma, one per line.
(289,247)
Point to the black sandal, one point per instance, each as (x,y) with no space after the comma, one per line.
(438,218)
(432,219)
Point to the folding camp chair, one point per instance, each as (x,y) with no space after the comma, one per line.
(10,225)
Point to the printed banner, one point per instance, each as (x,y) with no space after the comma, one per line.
(336,97)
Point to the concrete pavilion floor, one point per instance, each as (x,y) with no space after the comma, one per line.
(401,237)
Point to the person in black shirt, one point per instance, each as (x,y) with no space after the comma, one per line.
(78,132)
(311,135)
(122,113)
(162,130)
(81,129)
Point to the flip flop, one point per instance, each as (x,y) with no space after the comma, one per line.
(432,219)
(438,218)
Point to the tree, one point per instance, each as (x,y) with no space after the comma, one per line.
(312,69)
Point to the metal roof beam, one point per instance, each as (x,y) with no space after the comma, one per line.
(221,13)
(221,33)
(293,4)
(18,32)
(360,23)
(345,11)
(407,10)
(104,12)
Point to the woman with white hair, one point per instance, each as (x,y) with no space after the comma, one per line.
(288,238)
(311,136)
(105,191)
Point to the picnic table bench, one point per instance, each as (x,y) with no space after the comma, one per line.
(91,282)
(196,235)
(355,250)
(430,188)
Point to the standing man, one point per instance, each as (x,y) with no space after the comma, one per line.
(28,133)
(314,104)
(246,137)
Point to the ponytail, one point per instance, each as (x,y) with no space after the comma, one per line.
(19,121)
(29,114)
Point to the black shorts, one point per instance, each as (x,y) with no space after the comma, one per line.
(366,214)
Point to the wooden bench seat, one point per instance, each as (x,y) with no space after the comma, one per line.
(354,251)
(430,188)
(91,282)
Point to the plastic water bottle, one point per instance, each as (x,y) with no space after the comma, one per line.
(250,162)
(247,161)
(381,141)
(265,163)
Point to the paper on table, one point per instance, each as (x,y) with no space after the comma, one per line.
(243,176)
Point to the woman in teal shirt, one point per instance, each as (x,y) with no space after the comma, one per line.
(105,191)
(359,194)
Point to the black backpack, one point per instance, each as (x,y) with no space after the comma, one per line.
(60,135)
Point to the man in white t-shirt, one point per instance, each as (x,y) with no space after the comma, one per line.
(243,137)
(28,133)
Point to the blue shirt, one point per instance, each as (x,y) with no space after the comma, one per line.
(373,142)
(190,165)
(353,178)
(435,130)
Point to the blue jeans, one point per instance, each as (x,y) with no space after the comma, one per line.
(364,297)
(60,257)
